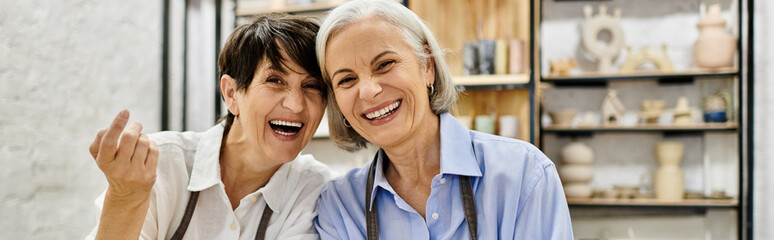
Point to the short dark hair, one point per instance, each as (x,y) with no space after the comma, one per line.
(262,40)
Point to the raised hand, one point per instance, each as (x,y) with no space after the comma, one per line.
(130,169)
(129,166)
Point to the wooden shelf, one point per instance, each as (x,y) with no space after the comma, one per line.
(512,80)
(312,7)
(665,77)
(646,128)
(689,203)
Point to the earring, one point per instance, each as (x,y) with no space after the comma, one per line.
(430,90)
(346,123)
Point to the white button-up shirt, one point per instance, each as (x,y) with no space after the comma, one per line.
(291,192)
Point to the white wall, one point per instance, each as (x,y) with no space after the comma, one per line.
(66,68)
(764,127)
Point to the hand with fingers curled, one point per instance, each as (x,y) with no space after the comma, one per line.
(129,164)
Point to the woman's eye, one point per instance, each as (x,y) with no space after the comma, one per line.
(385,64)
(273,80)
(346,82)
(314,86)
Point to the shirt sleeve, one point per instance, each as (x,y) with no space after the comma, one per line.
(544,214)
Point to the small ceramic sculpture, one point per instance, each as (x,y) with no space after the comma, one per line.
(509,125)
(501,57)
(715,48)
(589,119)
(485,124)
(604,52)
(486,56)
(612,109)
(715,108)
(651,109)
(516,56)
(562,67)
(682,113)
(576,171)
(635,59)
(669,181)
(563,118)
(470,58)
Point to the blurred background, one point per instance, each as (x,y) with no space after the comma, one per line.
(68,67)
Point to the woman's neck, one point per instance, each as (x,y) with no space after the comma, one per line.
(243,170)
(418,159)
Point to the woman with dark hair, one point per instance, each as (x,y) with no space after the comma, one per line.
(242,178)
(432,178)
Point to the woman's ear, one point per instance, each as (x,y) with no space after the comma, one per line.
(228,89)
(429,67)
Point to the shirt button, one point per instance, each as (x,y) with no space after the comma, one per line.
(233,226)
(435,215)
(253,199)
(443,180)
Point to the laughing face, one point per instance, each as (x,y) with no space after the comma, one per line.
(280,110)
(379,82)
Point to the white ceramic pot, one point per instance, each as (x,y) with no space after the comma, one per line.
(577,190)
(570,173)
(715,48)
(577,153)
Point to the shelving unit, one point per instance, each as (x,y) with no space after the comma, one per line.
(707,127)
(455,22)
(624,150)
(678,76)
(515,80)
(311,7)
(687,203)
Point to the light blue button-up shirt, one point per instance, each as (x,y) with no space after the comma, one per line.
(517,189)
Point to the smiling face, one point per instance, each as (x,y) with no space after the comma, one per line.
(280,110)
(379,82)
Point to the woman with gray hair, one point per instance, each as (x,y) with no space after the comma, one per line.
(432,178)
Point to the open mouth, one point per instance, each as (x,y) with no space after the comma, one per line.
(285,128)
(384,112)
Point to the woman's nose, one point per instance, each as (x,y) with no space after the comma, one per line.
(369,89)
(294,101)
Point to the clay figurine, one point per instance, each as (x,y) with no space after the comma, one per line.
(612,109)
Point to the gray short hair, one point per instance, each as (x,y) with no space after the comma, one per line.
(416,34)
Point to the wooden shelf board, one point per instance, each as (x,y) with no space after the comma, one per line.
(600,202)
(312,7)
(648,127)
(598,77)
(484,80)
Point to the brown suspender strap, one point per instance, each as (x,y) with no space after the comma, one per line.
(372,215)
(469,204)
(265,217)
(183,227)
(260,234)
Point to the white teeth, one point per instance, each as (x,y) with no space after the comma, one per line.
(284,123)
(284,133)
(386,111)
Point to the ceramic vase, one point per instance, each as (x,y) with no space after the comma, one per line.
(669,180)
(485,124)
(715,48)
(576,171)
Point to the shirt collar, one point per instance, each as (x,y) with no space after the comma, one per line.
(274,190)
(206,166)
(457,155)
